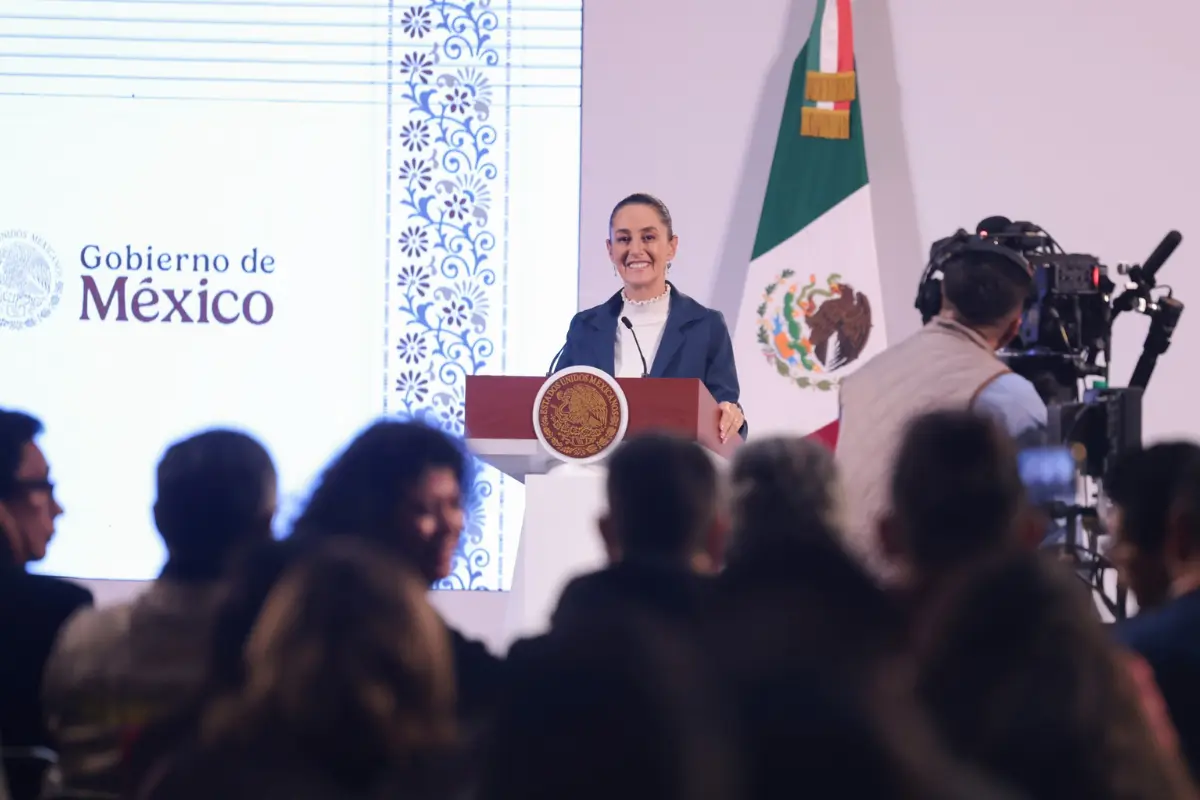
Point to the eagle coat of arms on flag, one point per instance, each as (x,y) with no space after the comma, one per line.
(809,330)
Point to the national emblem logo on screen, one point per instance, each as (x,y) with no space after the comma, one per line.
(580,414)
(31,283)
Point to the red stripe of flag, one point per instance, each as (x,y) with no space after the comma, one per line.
(845,62)
(827,435)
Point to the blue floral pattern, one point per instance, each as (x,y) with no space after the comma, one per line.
(444,165)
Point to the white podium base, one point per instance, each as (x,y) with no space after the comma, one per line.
(560,539)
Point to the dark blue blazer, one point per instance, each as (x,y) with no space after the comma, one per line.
(695,344)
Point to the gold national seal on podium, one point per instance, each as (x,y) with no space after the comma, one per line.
(580,414)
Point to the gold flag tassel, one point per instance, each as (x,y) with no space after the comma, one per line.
(831,87)
(825,123)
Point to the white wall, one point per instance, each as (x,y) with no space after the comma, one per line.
(1081,122)
(1075,115)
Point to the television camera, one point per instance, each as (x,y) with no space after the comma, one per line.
(1064,347)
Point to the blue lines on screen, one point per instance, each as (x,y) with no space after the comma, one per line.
(253,50)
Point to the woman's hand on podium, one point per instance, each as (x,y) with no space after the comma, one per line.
(731,419)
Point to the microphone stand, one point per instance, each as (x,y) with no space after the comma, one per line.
(554,361)
(628,324)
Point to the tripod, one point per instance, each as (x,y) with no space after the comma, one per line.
(1083,549)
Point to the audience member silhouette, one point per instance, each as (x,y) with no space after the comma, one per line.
(612,706)
(1145,490)
(957,496)
(32,607)
(404,486)
(663,533)
(348,693)
(801,638)
(1023,682)
(400,485)
(118,668)
(790,588)
(1156,497)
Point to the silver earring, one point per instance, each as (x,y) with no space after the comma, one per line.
(669,263)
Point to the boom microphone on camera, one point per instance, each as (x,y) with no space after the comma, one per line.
(1161,253)
(1142,277)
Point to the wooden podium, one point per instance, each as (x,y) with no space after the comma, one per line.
(499,418)
(563,501)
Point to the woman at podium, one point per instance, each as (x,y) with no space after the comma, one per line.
(649,328)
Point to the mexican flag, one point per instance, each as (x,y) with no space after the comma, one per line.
(812,311)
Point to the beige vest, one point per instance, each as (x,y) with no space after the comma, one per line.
(944,365)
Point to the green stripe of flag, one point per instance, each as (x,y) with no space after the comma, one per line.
(809,175)
(813,62)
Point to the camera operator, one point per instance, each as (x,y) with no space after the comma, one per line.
(950,364)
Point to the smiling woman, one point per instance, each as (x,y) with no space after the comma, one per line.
(649,329)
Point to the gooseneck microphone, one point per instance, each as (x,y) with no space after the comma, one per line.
(554,361)
(625,321)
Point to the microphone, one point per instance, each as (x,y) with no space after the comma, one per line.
(554,361)
(1161,253)
(1141,279)
(625,321)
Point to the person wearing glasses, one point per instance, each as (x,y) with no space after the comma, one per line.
(32,607)
(27,505)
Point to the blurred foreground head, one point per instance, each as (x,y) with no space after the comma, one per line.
(956,494)
(216,495)
(1155,521)
(349,662)
(663,502)
(399,485)
(784,496)
(618,707)
(1023,681)
(791,590)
